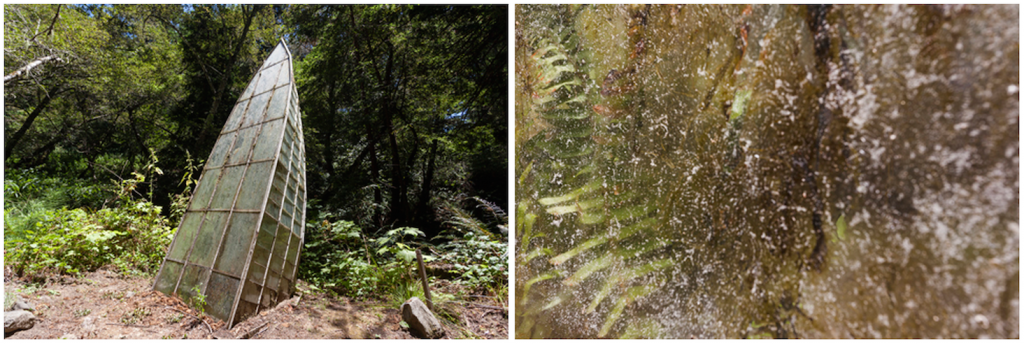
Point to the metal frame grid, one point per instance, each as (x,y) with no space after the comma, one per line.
(247,215)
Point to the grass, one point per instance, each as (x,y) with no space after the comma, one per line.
(136,315)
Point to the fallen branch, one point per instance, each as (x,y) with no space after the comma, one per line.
(260,332)
(255,331)
(130,325)
(29,66)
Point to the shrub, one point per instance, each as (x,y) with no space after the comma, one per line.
(133,238)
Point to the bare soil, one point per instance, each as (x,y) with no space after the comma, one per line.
(105,305)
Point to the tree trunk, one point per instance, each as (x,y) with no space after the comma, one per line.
(375,178)
(422,209)
(18,135)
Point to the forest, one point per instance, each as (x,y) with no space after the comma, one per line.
(110,112)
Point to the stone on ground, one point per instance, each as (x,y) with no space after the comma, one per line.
(22,305)
(421,321)
(15,321)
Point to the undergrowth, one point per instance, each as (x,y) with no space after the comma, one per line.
(45,233)
(342,258)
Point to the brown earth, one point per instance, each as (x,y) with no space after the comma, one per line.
(106,305)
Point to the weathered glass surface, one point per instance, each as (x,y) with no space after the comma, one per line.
(767,171)
(235,226)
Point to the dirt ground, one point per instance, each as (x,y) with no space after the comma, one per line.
(104,305)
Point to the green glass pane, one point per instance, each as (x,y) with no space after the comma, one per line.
(193,278)
(236,116)
(168,277)
(257,106)
(268,78)
(243,145)
(220,295)
(250,293)
(277,103)
(225,194)
(235,249)
(268,141)
(286,218)
(245,310)
(208,238)
(254,187)
(207,183)
(257,271)
(289,271)
(294,248)
(272,207)
(186,232)
(273,282)
(286,286)
(220,150)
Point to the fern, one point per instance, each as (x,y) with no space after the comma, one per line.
(575,179)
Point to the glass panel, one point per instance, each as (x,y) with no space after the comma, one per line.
(256,272)
(209,237)
(245,310)
(225,194)
(295,246)
(286,218)
(254,114)
(254,187)
(248,89)
(235,117)
(207,183)
(168,277)
(268,78)
(186,231)
(268,141)
(285,77)
(277,103)
(285,288)
(243,144)
(276,56)
(251,293)
(235,249)
(194,276)
(289,271)
(221,295)
(220,150)
(272,207)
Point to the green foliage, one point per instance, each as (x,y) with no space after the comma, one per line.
(9,298)
(133,238)
(198,300)
(479,260)
(135,315)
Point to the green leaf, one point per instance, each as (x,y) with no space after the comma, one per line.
(406,255)
(841,227)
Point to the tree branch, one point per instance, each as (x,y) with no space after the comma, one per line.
(24,70)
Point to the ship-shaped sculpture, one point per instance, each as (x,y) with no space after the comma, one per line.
(239,241)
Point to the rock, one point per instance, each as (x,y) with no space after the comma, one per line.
(129,295)
(87,324)
(421,321)
(68,336)
(22,305)
(15,321)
